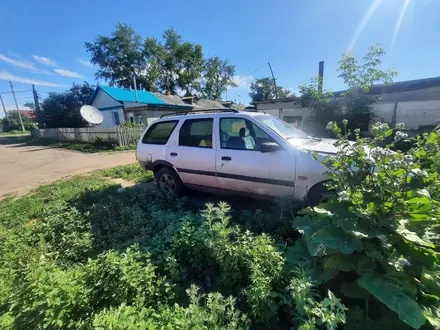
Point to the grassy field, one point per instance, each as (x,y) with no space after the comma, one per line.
(80,253)
(132,172)
(15,133)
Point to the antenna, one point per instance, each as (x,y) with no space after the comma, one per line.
(91,114)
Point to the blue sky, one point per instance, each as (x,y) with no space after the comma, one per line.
(43,41)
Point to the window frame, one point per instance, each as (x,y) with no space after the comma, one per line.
(197,119)
(176,122)
(245,119)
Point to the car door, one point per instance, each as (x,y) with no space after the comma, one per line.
(192,152)
(242,167)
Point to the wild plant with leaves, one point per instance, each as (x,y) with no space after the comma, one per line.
(374,240)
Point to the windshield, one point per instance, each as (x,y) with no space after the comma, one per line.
(280,127)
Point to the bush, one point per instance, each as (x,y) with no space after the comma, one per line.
(375,239)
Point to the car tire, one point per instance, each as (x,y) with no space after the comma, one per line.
(317,194)
(169,182)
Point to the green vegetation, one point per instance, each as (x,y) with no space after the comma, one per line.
(132,172)
(376,239)
(166,65)
(81,254)
(97,146)
(15,132)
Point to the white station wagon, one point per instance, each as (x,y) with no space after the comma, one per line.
(248,153)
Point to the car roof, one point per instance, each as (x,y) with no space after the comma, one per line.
(209,114)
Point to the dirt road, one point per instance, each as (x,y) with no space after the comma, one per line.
(23,167)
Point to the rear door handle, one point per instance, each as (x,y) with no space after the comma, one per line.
(226,158)
(173,154)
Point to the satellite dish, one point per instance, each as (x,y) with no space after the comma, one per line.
(91,114)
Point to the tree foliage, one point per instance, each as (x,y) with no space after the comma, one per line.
(355,103)
(217,77)
(263,89)
(12,122)
(62,109)
(168,65)
(379,228)
(120,58)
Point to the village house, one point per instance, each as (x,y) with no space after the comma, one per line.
(119,104)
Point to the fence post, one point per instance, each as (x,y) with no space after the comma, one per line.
(119,136)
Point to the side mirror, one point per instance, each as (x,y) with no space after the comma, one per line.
(269,147)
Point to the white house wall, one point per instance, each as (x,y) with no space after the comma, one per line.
(413,114)
(108,117)
(103,100)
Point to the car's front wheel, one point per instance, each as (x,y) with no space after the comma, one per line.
(169,181)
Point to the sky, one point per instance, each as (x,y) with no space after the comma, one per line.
(42,42)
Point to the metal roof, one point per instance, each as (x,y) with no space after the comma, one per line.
(127,95)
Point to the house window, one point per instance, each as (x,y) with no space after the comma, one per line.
(159,133)
(196,133)
(295,121)
(116,121)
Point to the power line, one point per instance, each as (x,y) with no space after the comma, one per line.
(257,69)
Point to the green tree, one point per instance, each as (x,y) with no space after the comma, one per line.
(121,57)
(359,77)
(62,109)
(217,77)
(12,123)
(263,89)
(29,105)
(179,64)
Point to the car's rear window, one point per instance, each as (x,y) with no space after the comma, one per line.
(160,132)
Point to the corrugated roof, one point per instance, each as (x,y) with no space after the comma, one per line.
(172,99)
(127,95)
(208,104)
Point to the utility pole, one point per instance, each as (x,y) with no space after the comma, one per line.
(274,81)
(37,109)
(4,108)
(135,88)
(16,105)
(321,76)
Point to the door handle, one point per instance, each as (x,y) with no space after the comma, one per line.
(173,154)
(226,158)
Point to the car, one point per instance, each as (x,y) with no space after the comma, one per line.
(238,152)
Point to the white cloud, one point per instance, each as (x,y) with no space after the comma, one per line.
(7,76)
(44,60)
(67,73)
(243,81)
(85,63)
(23,64)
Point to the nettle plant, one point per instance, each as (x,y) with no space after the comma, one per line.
(374,240)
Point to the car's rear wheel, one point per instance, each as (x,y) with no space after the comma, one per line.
(169,181)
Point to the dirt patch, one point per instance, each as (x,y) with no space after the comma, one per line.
(23,167)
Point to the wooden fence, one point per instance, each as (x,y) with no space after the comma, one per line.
(120,135)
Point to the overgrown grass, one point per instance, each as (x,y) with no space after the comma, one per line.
(81,254)
(132,172)
(15,132)
(79,146)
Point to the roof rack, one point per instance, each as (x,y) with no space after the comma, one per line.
(184,113)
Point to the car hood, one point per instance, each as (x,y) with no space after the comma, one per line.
(323,146)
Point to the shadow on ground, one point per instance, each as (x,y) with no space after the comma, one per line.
(11,140)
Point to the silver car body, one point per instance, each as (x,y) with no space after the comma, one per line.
(289,171)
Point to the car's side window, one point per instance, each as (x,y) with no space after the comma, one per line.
(241,134)
(196,133)
(159,133)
